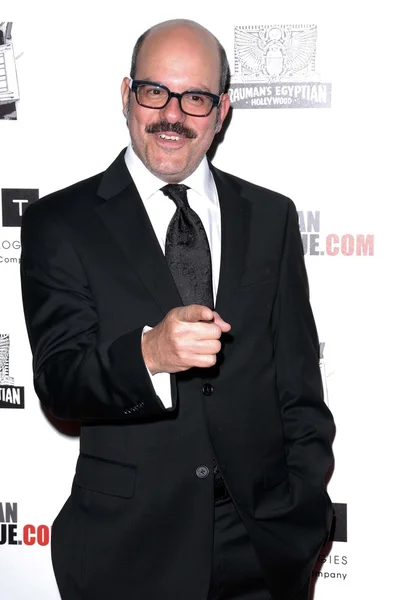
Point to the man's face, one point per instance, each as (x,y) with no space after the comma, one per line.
(182,59)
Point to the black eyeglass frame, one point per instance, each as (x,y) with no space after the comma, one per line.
(135,83)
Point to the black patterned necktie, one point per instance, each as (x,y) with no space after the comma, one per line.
(188,256)
(187,250)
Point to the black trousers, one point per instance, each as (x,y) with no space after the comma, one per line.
(236,572)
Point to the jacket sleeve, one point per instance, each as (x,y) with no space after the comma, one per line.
(307,421)
(75,376)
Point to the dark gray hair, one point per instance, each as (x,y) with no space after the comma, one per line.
(224,66)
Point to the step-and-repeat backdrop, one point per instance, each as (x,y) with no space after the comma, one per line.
(315,117)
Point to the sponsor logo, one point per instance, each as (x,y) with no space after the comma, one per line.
(275,68)
(11,396)
(331,566)
(9,92)
(10,251)
(14,203)
(332,244)
(27,535)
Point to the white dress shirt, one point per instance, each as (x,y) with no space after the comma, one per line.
(203,199)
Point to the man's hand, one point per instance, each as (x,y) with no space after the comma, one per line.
(188,336)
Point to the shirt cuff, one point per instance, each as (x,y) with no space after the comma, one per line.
(160,381)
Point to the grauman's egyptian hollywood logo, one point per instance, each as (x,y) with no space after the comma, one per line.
(275,68)
(11,396)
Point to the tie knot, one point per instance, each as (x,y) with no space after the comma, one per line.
(178,193)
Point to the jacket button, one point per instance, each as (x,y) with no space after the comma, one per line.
(202,471)
(207,389)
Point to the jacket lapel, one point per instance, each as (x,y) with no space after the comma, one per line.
(234,240)
(124,215)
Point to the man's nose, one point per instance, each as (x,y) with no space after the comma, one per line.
(172,112)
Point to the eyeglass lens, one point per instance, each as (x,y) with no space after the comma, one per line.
(152,96)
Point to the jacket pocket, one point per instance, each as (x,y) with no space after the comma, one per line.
(100,475)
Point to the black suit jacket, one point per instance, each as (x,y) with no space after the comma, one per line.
(139,521)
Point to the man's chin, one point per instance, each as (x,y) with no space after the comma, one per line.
(170,172)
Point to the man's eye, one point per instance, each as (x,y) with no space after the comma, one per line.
(196,99)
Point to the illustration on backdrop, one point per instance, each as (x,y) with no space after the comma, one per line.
(275,68)
(9,92)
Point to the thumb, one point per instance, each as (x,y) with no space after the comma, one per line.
(195,312)
(224,326)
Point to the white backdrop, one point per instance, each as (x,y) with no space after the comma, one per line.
(338,164)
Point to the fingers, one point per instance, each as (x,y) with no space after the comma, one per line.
(194,313)
(189,336)
(206,346)
(204,361)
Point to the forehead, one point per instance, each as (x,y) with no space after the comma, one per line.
(180,54)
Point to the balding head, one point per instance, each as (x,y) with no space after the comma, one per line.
(177,27)
(171,61)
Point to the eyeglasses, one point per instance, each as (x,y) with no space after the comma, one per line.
(155,95)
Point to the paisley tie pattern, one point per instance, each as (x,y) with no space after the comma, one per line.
(187,250)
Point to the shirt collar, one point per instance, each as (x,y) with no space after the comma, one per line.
(201,180)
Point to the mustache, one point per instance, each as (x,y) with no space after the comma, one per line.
(164,127)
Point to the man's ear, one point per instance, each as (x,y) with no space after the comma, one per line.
(222,111)
(125,96)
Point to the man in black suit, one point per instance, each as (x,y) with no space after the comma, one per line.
(173,321)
